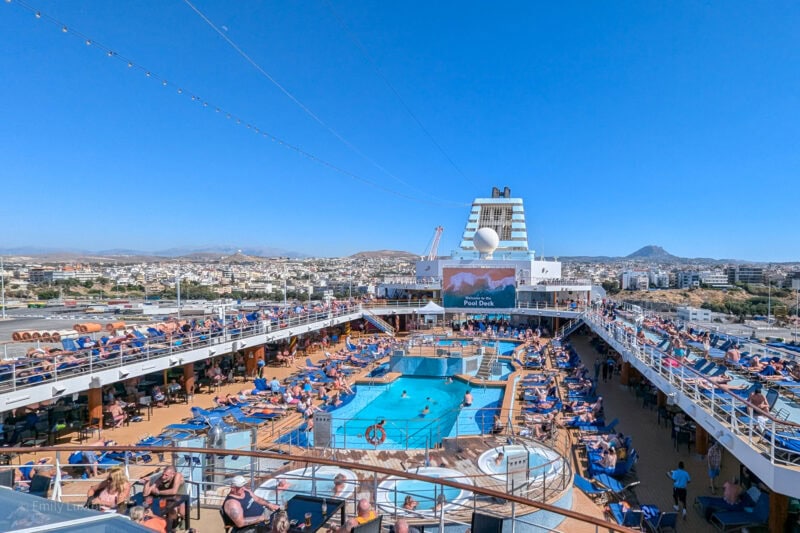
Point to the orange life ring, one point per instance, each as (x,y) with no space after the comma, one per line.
(375,435)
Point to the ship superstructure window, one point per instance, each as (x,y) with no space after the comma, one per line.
(497,217)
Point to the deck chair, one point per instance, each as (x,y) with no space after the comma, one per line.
(736,520)
(600,495)
(630,518)
(664,521)
(615,486)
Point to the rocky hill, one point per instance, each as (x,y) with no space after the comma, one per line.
(652,252)
(390,254)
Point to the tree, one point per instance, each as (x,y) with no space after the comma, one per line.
(611,286)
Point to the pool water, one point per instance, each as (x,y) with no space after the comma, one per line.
(300,482)
(424,493)
(392,492)
(505,347)
(542,462)
(403,413)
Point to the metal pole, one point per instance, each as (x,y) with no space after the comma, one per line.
(178,287)
(284,295)
(3,286)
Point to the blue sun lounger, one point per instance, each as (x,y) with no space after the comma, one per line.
(599,494)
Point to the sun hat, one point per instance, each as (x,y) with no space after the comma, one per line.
(238,482)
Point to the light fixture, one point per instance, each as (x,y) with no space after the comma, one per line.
(123,374)
(58,389)
(173,361)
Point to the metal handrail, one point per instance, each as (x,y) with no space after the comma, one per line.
(23,373)
(475,489)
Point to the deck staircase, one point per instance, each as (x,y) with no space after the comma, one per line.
(570,327)
(378,322)
(488,364)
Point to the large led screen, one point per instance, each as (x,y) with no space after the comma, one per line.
(479,288)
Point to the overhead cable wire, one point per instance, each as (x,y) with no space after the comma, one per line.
(371,60)
(233,118)
(296,101)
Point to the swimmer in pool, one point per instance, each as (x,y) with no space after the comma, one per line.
(338,484)
(282,485)
(425,411)
(431,400)
(404,395)
(468,398)
(498,460)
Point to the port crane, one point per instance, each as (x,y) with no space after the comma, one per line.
(434,245)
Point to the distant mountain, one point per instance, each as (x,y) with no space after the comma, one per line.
(254,251)
(652,252)
(198,253)
(392,254)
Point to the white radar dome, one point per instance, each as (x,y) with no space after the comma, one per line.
(486,240)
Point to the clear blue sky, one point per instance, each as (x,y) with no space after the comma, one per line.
(620,124)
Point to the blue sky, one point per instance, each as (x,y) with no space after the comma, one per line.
(620,124)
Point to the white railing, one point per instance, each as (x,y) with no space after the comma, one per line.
(778,440)
(18,374)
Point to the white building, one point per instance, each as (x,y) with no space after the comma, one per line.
(688,279)
(659,280)
(717,280)
(694,314)
(634,280)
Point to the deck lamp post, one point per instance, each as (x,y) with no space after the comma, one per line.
(178,288)
(796,287)
(3,286)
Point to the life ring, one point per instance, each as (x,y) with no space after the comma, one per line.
(375,435)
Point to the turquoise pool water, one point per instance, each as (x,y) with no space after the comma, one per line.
(506,347)
(424,493)
(405,427)
(403,412)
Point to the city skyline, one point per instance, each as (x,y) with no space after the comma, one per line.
(619,126)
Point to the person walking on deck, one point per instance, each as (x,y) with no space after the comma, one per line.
(680,479)
(714,459)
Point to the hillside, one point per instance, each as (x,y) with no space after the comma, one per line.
(389,254)
(652,252)
(697,297)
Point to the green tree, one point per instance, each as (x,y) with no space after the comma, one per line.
(611,286)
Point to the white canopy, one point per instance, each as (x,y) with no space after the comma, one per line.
(430,309)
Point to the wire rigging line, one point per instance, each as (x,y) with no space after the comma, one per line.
(109,52)
(294,99)
(371,60)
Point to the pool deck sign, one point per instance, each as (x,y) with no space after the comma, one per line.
(479,288)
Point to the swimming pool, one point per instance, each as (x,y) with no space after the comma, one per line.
(405,426)
(542,462)
(504,347)
(393,491)
(301,481)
